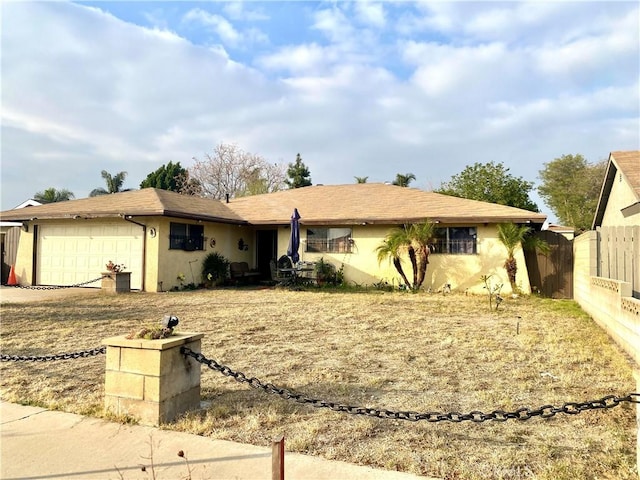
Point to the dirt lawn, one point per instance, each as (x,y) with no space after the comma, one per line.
(396,351)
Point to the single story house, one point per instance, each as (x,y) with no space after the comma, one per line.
(619,201)
(617,220)
(9,236)
(160,235)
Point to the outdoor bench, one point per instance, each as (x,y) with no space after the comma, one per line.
(240,271)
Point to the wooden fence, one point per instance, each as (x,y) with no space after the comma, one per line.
(619,255)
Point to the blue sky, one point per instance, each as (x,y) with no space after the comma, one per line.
(357,88)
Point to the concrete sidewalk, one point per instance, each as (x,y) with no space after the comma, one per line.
(40,444)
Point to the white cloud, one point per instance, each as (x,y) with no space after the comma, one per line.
(461,82)
(299,58)
(370,13)
(237,10)
(218,24)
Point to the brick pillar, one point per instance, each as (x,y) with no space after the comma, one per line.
(150,380)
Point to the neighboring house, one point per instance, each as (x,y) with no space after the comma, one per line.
(619,202)
(607,259)
(567,232)
(9,238)
(159,234)
(617,220)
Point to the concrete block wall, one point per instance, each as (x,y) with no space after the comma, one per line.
(609,302)
(151,380)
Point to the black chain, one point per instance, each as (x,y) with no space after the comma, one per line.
(57,287)
(60,356)
(525,413)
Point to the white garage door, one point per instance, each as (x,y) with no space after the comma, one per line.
(69,254)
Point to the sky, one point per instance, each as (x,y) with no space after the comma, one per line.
(359,88)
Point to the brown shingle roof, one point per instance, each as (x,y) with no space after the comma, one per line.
(320,205)
(371,203)
(145,202)
(628,162)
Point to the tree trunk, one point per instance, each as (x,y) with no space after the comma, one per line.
(512,268)
(414,265)
(398,265)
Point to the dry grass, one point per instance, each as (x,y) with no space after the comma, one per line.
(387,350)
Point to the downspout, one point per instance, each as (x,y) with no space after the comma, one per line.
(128,218)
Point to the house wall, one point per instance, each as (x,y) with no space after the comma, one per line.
(462,272)
(607,301)
(24,257)
(163,275)
(161,265)
(621,196)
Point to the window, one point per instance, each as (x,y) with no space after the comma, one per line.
(184,236)
(329,240)
(456,240)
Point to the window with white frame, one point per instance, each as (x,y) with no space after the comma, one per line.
(329,240)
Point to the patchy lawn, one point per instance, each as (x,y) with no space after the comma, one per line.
(396,351)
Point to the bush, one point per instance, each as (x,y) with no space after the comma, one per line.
(215,269)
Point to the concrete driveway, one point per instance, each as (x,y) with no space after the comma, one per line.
(27,295)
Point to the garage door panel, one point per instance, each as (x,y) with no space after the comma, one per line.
(72,254)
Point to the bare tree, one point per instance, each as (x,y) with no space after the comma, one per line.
(230,170)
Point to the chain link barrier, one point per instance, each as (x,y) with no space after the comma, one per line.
(49,358)
(525,413)
(57,287)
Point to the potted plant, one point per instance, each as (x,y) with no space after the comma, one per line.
(115,279)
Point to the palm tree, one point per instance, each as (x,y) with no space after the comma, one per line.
(114,184)
(51,195)
(512,235)
(404,180)
(390,249)
(421,234)
(361,179)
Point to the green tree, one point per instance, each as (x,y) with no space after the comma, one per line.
(511,235)
(390,249)
(490,182)
(571,187)
(51,195)
(413,240)
(404,180)
(298,173)
(421,235)
(361,179)
(114,184)
(167,177)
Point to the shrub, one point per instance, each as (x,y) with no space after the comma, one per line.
(215,269)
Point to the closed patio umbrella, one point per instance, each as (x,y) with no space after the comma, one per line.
(294,239)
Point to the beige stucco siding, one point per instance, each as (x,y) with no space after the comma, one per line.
(621,196)
(189,263)
(462,272)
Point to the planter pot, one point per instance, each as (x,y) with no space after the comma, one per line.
(116,282)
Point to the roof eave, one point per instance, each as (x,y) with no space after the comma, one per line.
(603,199)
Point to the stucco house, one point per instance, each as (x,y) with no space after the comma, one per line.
(9,236)
(158,234)
(607,258)
(619,201)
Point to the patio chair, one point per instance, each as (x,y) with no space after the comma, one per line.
(277,275)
